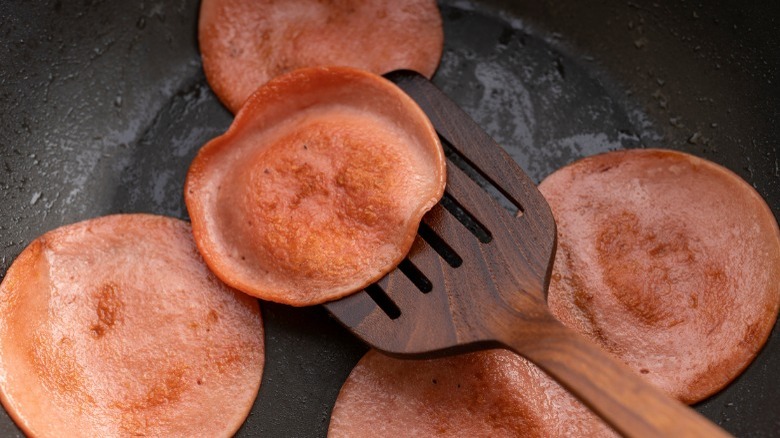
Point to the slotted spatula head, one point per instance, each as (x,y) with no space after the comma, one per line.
(477,276)
(472,257)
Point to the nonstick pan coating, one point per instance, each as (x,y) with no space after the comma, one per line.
(104,104)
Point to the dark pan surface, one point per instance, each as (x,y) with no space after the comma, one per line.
(103,106)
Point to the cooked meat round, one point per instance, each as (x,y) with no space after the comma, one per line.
(115,327)
(318,187)
(668,261)
(245,43)
(492,393)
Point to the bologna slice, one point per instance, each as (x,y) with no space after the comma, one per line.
(115,327)
(245,43)
(317,188)
(491,393)
(668,261)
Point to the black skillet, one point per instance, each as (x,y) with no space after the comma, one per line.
(103,104)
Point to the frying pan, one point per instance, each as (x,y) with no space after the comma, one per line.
(104,104)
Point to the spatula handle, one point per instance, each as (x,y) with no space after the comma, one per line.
(632,406)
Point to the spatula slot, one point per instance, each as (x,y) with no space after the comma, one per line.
(439,245)
(383,301)
(456,158)
(416,276)
(470,222)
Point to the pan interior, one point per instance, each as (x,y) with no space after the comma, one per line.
(105,105)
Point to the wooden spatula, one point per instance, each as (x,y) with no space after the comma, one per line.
(477,276)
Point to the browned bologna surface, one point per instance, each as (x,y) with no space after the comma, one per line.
(491,393)
(668,261)
(245,43)
(317,188)
(115,327)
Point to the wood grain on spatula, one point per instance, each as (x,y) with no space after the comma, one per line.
(477,275)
